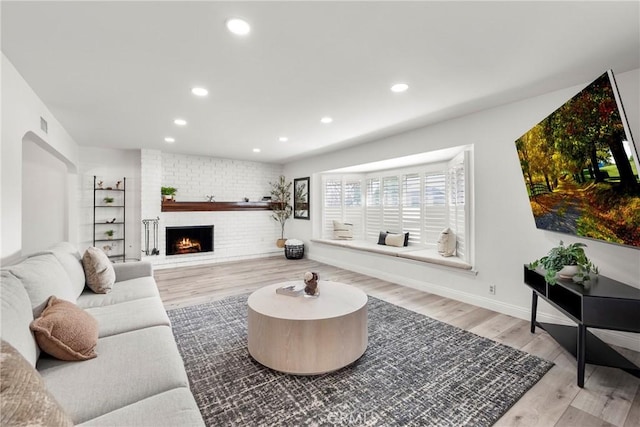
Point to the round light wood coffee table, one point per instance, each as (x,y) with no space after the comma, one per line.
(308,336)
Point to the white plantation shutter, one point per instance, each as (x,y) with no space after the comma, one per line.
(456,197)
(352,212)
(331,205)
(373,209)
(411,207)
(435,208)
(391,204)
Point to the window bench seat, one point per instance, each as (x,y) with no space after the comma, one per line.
(416,253)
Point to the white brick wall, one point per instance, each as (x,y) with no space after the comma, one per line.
(237,234)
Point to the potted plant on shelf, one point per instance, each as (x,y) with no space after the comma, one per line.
(280,197)
(109,234)
(108,200)
(567,262)
(168,193)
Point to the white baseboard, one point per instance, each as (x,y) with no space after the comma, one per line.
(622,339)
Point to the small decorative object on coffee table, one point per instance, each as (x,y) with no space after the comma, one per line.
(292,290)
(311,282)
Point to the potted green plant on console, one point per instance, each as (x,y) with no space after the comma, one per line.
(280,197)
(567,262)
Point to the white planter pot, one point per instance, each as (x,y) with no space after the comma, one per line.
(568,271)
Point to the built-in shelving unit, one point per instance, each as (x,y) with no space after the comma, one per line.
(102,214)
(170,206)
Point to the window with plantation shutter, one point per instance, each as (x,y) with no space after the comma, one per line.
(434,215)
(352,212)
(332,205)
(422,200)
(457,195)
(373,209)
(391,204)
(411,207)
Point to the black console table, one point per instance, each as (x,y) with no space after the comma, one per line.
(601,303)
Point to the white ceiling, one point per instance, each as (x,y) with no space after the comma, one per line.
(116,74)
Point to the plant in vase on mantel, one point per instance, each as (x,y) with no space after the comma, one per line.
(168,193)
(567,262)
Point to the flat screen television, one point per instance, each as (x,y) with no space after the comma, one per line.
(580,166)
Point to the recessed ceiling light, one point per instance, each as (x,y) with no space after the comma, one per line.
(283,139)
(180,122)
(170,140)
(326,120)
(256,150)
(399,87)
(238,27)
(199,91)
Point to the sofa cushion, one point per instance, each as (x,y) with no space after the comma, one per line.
(43,276)
(98,270)
(15,317)
(66,331)
(132,366)
(129,290)
(24,400)
(175,407)
(129,316)
(70,259)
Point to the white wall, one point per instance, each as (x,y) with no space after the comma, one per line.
(21,112)
(505,233)
(110,166)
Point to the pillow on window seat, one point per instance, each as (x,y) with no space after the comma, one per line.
(447,243)
(383,236)
(342,230)
(394,240)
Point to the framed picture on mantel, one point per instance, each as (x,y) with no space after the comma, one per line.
(301,198)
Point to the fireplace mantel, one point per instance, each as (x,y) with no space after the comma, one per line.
(215,206)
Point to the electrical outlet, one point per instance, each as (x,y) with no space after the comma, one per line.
(492,289)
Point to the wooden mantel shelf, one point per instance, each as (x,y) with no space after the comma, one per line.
(214,206)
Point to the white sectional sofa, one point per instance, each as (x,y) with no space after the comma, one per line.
(138,377)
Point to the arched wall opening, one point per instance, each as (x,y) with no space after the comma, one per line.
(45,195)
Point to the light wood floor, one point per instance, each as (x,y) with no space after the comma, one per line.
(610,396)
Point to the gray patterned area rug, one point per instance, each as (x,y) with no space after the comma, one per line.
(416,371)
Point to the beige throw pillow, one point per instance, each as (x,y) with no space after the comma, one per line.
(394,240)
(98,270)
(24,400)
(65,331)
(447,243)
(342,230)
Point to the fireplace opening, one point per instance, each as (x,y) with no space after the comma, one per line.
(189,240)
